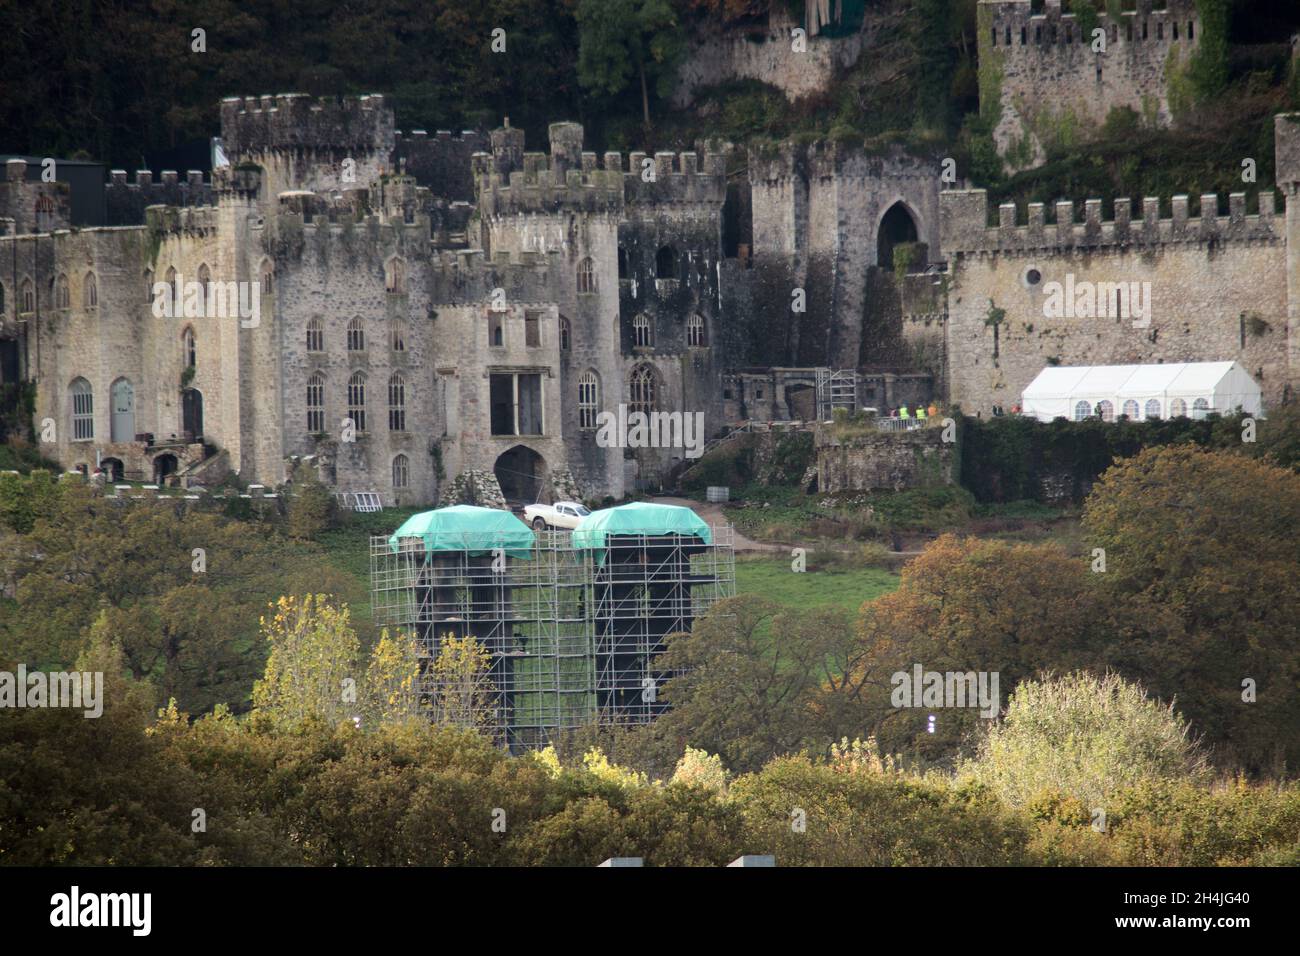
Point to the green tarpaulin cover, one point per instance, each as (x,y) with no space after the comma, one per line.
(639,517)
(467,528)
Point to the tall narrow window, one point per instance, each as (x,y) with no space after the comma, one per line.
(401,472)
(268,277)
(173,283)
(496,329)
(90,292)
(564,334)
(586,276)
(642,332)
(588,400)
(642,390)
(205,283)
(397,403)
(315,334)
(2,298)
(397,335)
(148,285)
(189,348)
(695,331)
(62,298)
(666,263)
(83,410)
(395,276)
(316,403)
(356,335)
(357,400)
(28,297)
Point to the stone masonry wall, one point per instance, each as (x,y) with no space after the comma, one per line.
(879,460)
(1045,76)
(1210,279)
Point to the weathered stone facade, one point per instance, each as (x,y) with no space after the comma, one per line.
(385,351)
(766,52)
(405,336)
(865,461)
(1216,286)
(1042,74)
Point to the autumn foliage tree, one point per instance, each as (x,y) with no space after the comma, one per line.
(1201,551)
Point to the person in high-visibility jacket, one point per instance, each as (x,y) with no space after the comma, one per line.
(903,412)
(920,412)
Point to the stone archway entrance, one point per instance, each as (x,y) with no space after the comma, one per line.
(164,466)
(896,228)
(521,472)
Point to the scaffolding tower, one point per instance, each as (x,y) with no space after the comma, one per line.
(571,634)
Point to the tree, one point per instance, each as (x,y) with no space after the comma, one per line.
(392,691)
(180,589)
(463,693)
(966,605)
(752,673)
(313,659)
(622,39)
(311,507)
(1086,737)
(1201,552)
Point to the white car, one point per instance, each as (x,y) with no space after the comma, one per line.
(562,514)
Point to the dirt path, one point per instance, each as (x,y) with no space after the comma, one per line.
(713,514)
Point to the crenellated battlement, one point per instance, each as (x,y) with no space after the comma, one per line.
(671,177)
(511,181)
(1042,70)
(126,200)
(1014,14)
(964,223)
(295,121)
(470,277)
(181,220)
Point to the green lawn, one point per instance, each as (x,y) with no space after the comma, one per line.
(844,588)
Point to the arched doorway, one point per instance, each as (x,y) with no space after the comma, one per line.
(520,471)
(112,469)
(192,414)
(896,228)
(122,423)
(164,466)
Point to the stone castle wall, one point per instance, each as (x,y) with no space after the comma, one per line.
(1040,75)
(765,53)
(1210,278)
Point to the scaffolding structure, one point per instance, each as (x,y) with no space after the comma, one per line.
(571,634)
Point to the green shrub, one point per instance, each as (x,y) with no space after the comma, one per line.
(1085,737)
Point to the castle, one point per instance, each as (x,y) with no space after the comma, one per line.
(445,317)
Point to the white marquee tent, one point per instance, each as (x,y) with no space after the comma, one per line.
(1192,389)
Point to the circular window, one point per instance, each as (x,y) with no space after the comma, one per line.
(1033,277)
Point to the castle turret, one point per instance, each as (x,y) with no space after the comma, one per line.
(304,143)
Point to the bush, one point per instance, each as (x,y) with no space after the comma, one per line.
(1085,737)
